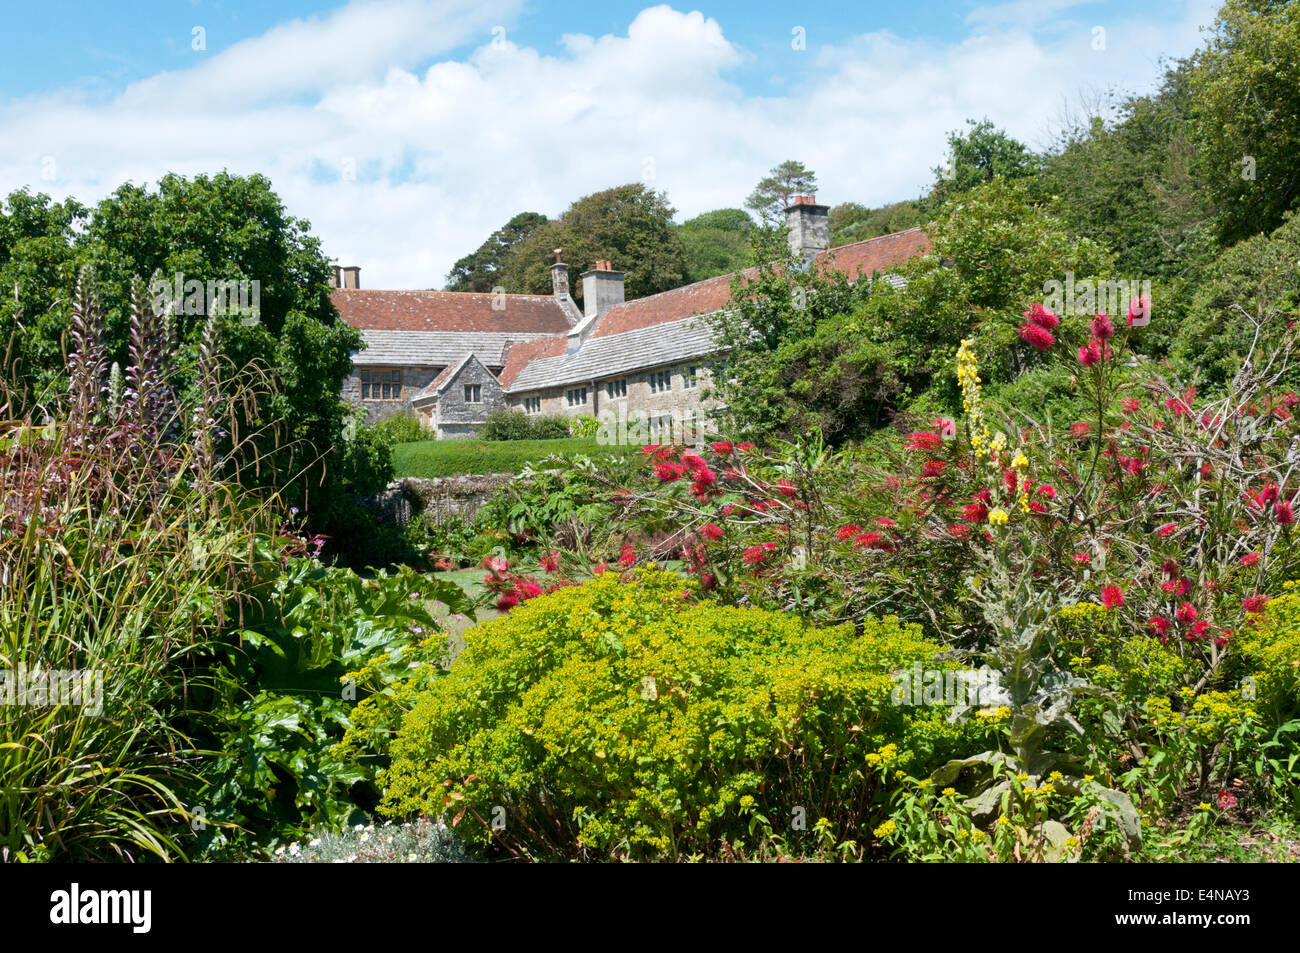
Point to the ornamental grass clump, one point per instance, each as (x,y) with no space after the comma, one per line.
(630,718)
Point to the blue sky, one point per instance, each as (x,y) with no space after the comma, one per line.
(406,130)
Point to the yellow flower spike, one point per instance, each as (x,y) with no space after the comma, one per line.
(998,517)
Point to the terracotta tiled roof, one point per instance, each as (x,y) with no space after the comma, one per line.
(457,311)
(877,254)
(518,356)
(712,294)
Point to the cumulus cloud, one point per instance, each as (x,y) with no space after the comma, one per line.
(404,157)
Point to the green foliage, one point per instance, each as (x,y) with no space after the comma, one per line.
(1246,94)
(775,192)
(403,428)
(1270,657)
(436,458)
(979,156)
(851,222)
(516,425)
(1248,296)
(1130,185)
(624,718)
(313,642)
(630,225)
(716,243)
(484,268)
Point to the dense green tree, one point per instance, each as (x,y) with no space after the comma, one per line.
(206,228)
(1129,184)
(1249,296)
(629,225)
(776,190)
(37,269)
(1246,93)
(483,269)
(852,222)
(716,243)
(979,155)
(808,349)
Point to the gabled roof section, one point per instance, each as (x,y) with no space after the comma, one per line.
(450,311)
(518,356)
(713,294)
(433,348)
(614,355)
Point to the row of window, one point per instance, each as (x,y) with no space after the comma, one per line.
(386,384)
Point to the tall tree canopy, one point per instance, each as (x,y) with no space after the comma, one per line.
(1246,94)
(630,225)
(979,155)
(716,243)
(776,190)
(483,269)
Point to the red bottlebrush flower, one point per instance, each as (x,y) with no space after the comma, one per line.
(1283,513)
(667,472)
(496,564)
(712,531)
(549,561)
(1206,470)
(528,589)
(1112,597)
(1265,496)
(1176,587)
(1081,429)
(1048,491)
(983,496)
(1131,405)
(599,569)
(1037,507)
(1132,465)
(786,488)
(1187,613)
(848,531)
(1254,603)
(959,530)
(1177,407)
(975,513)
(1083,559)
(744,447)
(1158,625)
(1250,559)
(708,580)
(1036,336)
(922,440)
(754,555)
(932,468)
(650,448)
(705,477)
(1139,312)
(885,521)
(627,557)
(1009,480)
(693,460)
(1167,530)
(1222,638)
(1170,567)
(1199,629)
(867,539)
(507,601)
(946,427)
(1090,354)
(1043,317)
(722,448)
(1103,329)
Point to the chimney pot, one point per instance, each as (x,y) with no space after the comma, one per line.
(602,287)
(351,276)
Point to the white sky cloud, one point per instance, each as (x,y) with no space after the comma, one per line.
(445,155)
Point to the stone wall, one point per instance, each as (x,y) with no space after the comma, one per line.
(456,418)
(440,497)
(414,379)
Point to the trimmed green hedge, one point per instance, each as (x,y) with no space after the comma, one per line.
(438,458)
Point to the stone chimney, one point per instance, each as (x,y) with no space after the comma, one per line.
(601,288)
(810,226)
(336,279)
(351,277)
(559,277)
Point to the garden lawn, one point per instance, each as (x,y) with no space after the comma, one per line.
(439,458)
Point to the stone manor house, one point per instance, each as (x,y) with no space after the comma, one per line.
(455,357)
